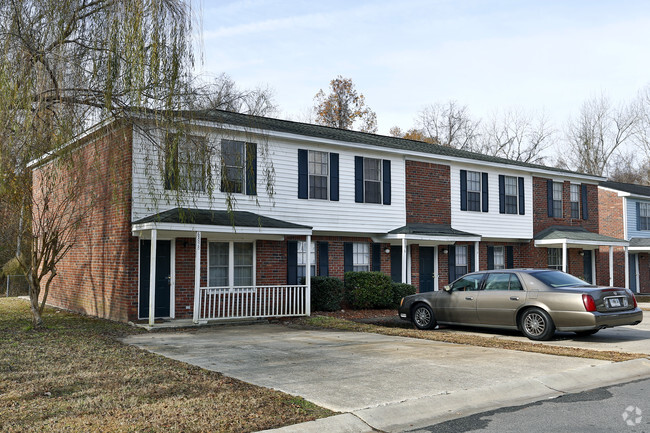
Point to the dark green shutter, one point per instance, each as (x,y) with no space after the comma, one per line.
(522,197)
(510,258)
(348,263)
(251,169)
(585,204)
(502,194)
(334,176)
(549,197)
(303,173)
(376,257)
(470,259)
(323,259)
(485,192)
(358,179)
(386,181)
(452,263)
(490,258)
(463,190)
(638,215)
(292,263)
(396,263)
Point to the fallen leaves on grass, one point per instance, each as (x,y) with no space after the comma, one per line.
(73,375)
(463,338)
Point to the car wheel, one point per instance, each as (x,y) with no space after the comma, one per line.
(423,317)
(536,324)
(586,333)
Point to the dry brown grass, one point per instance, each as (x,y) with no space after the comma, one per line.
(450,336)
(75,376)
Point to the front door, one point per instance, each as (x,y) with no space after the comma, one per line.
(163,274)
(632,264)
(587,266)
(427,271)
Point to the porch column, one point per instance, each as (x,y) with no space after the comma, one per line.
(627,268)
(611,266)
(564,257)
(593,267)
(308,277)
(477,256)
(152,277)
(435,269)
(404,262)
(197,277)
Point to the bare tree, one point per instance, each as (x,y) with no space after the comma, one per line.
(598,131)
(343,107)
(449,124)
(224,94)
(63,66)
(517,135)
(629,167)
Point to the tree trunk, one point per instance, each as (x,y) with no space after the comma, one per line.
(37,320)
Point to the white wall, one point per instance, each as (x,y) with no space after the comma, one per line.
(345,215)
(492,224)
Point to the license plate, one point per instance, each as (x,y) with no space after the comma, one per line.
(617,302)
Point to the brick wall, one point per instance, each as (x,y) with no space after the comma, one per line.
(428,193)
(541,220)
(610,214)
(99,274)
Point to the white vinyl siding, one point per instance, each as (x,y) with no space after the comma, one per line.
(492,224)
(344,215)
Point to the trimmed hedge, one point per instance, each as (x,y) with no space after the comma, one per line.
(367,290)
(400,290)
(326,293)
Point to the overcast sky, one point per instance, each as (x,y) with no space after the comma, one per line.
(404,54)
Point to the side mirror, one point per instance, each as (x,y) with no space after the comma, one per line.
(447,288)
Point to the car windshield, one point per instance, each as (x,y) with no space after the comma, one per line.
(558,279)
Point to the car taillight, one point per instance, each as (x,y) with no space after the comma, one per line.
(634,299)
(590,305)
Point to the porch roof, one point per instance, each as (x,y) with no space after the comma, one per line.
(218,221)
(442,233)
(576,237)
(640,244)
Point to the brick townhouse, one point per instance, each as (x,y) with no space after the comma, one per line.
(187,225)
(625,214)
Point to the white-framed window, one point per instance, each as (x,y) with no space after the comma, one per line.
(499,257)
(318,175)
(557,199)
(302,259)
(233,166)
(231,264)
(372,180)
(575,201)
(187,161)
(474,191)
(360,256)
(644,216)
(555,258)
(511,194)
(461,259)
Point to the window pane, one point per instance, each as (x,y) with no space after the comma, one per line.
(511,185)
(474,181)
(218,259)
(555,258)
(373,192)
(499,258)
(474,201)
(243,276)
(515,284)
(372,169)
(318,187)
(361,256)
(243,266)
(461,255)
(575,193)
(232,166)
(318,174)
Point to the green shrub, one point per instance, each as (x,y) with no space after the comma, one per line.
(366,290)
(326,293)
(12,267)
(400,290)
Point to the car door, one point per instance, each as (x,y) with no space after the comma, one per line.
(458,305)
(501,297)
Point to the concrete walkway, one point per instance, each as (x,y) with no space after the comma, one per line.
(383,382)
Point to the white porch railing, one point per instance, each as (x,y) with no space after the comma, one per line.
(249,302)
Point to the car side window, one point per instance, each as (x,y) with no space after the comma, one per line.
(467,283)
(497,281)
(515,284)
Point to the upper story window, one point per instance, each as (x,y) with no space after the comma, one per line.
(555,258)
(643,216)
(302,259)
(575,201)
(360,256)
(473,191)
(238,167)
(557,199)
(318,175)
(511,195)
(186,162)
(372,180)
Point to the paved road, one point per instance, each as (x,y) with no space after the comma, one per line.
(598,410)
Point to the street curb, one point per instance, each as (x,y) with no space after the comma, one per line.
(344,423)
(425,411)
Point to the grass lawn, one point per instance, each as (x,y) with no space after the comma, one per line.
(451,336)
(74,376)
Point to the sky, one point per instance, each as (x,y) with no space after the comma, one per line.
(403,55)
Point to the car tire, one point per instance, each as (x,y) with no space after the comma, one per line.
(423,317)
(536,324)
(586,333)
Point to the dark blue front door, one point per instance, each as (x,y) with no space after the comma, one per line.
(427,270)
(587,266)
(633,258)
(163,273)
